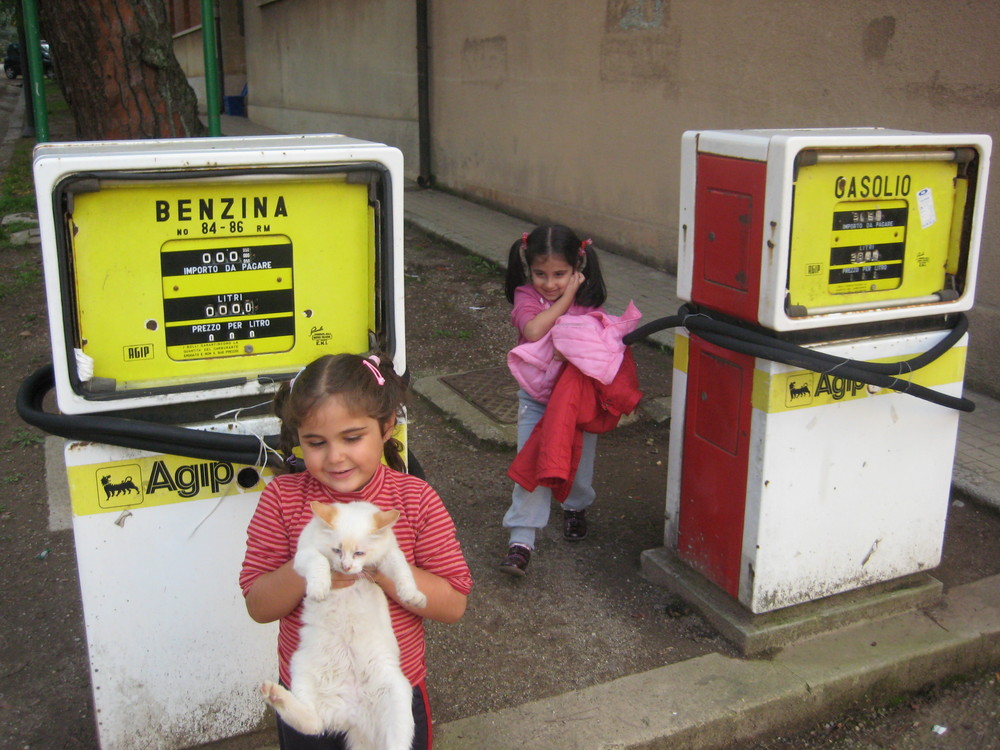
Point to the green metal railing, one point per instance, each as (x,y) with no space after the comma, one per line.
(213,98)
(36,73)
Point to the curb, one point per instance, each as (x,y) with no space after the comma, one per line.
(978,488)
(713,701)
(455,407)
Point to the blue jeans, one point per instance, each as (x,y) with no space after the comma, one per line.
(529,511)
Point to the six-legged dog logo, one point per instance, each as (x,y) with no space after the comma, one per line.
(119,486)
(799,390)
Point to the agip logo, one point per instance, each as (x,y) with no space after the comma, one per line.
(799,390)
(160,480)
(806,388)
(119,486)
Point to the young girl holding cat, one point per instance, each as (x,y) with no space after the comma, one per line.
(550,273)
(341,411)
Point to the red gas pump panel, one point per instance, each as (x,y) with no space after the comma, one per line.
(729,215)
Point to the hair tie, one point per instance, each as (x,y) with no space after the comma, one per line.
(379,377)
(522,253)
(291,383)
(582,253)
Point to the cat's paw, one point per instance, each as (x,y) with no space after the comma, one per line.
(317,587)
(273,693)
(413,597)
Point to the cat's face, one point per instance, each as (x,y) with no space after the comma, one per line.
(353,534)
(347,555)
(341,449)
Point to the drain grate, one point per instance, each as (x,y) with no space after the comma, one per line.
(492,391)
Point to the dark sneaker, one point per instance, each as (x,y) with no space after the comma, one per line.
(516,561)
(574,524)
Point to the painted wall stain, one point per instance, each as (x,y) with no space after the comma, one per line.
(484,60)
(878,34)
(626,15)
(636,60)
(639,47)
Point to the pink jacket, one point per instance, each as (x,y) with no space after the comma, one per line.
(579,404)
(591,342)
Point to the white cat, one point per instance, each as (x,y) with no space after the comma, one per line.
(345,673)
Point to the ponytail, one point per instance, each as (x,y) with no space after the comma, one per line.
(287,437)
(393,452)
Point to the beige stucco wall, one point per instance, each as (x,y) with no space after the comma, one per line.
(573,110)
(343,67)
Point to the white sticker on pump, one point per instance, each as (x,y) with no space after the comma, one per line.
(925,205)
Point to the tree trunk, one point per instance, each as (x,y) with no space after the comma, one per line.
(116,66)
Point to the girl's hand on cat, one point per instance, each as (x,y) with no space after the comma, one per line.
(340,580)
(443,603)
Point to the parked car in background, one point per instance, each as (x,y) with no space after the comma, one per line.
(12,60)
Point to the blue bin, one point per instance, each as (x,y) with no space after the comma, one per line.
(234,105)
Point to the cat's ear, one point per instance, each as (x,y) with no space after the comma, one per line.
(384,519)
(324,511)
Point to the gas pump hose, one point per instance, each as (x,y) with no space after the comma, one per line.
(756,344)
(248,450)
(132,433)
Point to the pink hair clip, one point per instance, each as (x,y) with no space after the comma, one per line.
(582,253)
(524,241)
(372,364)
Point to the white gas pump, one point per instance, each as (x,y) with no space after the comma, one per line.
(185,280)
(814,262)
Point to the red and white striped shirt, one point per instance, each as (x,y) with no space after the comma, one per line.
(425,532)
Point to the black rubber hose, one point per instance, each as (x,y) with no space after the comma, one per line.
(653,326)
(756,344)
(702,323)
(130,433)
(148,436)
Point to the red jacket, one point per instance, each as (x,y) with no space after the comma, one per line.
(578,404)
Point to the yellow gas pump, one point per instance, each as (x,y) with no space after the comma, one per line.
(185,280)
